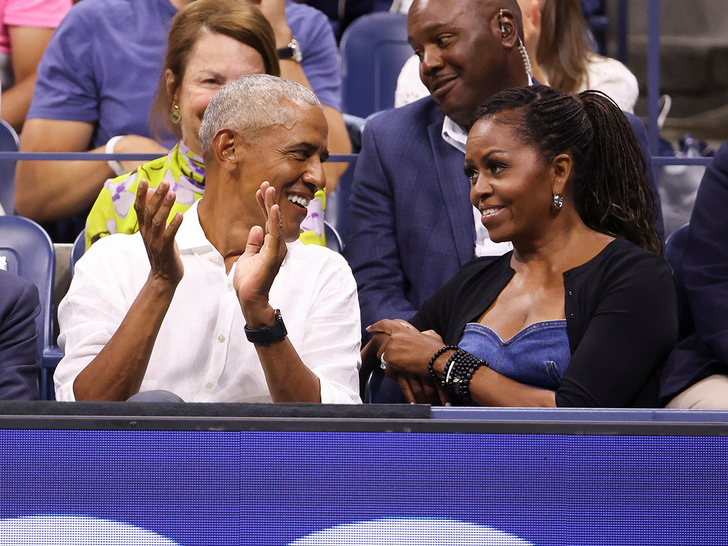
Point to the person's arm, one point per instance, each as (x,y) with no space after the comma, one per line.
(288,378)
(372,249)
(407,352)
(63,116)
(705,262)
(116,373)
(630,334)
(51,190)
(27,45)
(19,369)
(339,142)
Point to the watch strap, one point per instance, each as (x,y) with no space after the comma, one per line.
(267,335)
(109,149)
(291,51)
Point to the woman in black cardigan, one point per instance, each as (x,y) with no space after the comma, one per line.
(582,312)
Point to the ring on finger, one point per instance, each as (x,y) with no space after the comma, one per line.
(382,362)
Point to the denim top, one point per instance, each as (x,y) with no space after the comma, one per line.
(537,355)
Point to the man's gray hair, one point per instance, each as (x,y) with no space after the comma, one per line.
(251,104)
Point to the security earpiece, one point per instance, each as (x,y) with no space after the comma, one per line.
(504,25)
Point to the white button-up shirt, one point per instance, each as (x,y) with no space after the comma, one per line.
(201,352)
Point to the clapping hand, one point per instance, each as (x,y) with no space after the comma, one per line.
(258,266)
(152,213)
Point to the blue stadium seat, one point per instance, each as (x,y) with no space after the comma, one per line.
(373,50)
(381,389)
(674,251)
(333,239)
(8,143)
(79,247)
(29,253)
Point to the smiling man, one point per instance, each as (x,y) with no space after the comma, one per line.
(412,225)
(223,304)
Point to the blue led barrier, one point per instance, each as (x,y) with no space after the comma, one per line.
(276,487)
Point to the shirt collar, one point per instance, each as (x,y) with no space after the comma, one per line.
(190,234)
(454,135)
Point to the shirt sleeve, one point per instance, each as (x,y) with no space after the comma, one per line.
(331,343)
(631,332)
(615,80)
(19,369)
(89,315)
(65,88)
(36,13)
(705,261)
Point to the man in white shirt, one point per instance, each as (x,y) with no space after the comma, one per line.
(170,307)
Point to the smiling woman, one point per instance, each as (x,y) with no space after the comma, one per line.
(211,43)
(582,312)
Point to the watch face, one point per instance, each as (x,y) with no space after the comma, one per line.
(296,50)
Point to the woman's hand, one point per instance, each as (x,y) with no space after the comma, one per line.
(158,237)
(258,266)
(405,349)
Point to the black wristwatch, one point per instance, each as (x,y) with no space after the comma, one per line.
(292,51)
(267,334)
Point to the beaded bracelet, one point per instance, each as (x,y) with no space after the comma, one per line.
(437,355)
(459,370)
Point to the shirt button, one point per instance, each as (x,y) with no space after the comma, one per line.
(215,258)
(571,293)
(221,338)
(231,287)
(567,274)
(209,385)
(572,315)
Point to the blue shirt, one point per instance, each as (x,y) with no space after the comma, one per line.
(104,62)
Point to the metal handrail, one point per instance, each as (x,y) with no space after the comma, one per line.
(333,158)
(86,156)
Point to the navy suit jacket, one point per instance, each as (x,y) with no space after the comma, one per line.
(19,369)
(411,224)
(705,271)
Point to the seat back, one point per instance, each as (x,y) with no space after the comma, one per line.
(674,251)
(333,239)
(79,248)
(8,143)
(373,50)
(28,252)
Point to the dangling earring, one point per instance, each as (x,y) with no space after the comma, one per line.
(526,60)
(558,201)
(176,114)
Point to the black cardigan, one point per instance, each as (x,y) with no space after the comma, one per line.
(621,317)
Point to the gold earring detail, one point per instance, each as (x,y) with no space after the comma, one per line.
(176,117)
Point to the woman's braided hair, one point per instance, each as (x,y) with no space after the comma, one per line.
(611,192)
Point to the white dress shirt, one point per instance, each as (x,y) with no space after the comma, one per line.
(201,352)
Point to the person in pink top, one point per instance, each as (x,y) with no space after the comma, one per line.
(27,27)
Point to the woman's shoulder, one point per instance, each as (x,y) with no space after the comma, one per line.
(622,258)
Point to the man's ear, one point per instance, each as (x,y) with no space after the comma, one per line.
(505,26)
(562,166)
(226,149)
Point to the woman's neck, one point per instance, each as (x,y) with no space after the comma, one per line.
(559,251)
